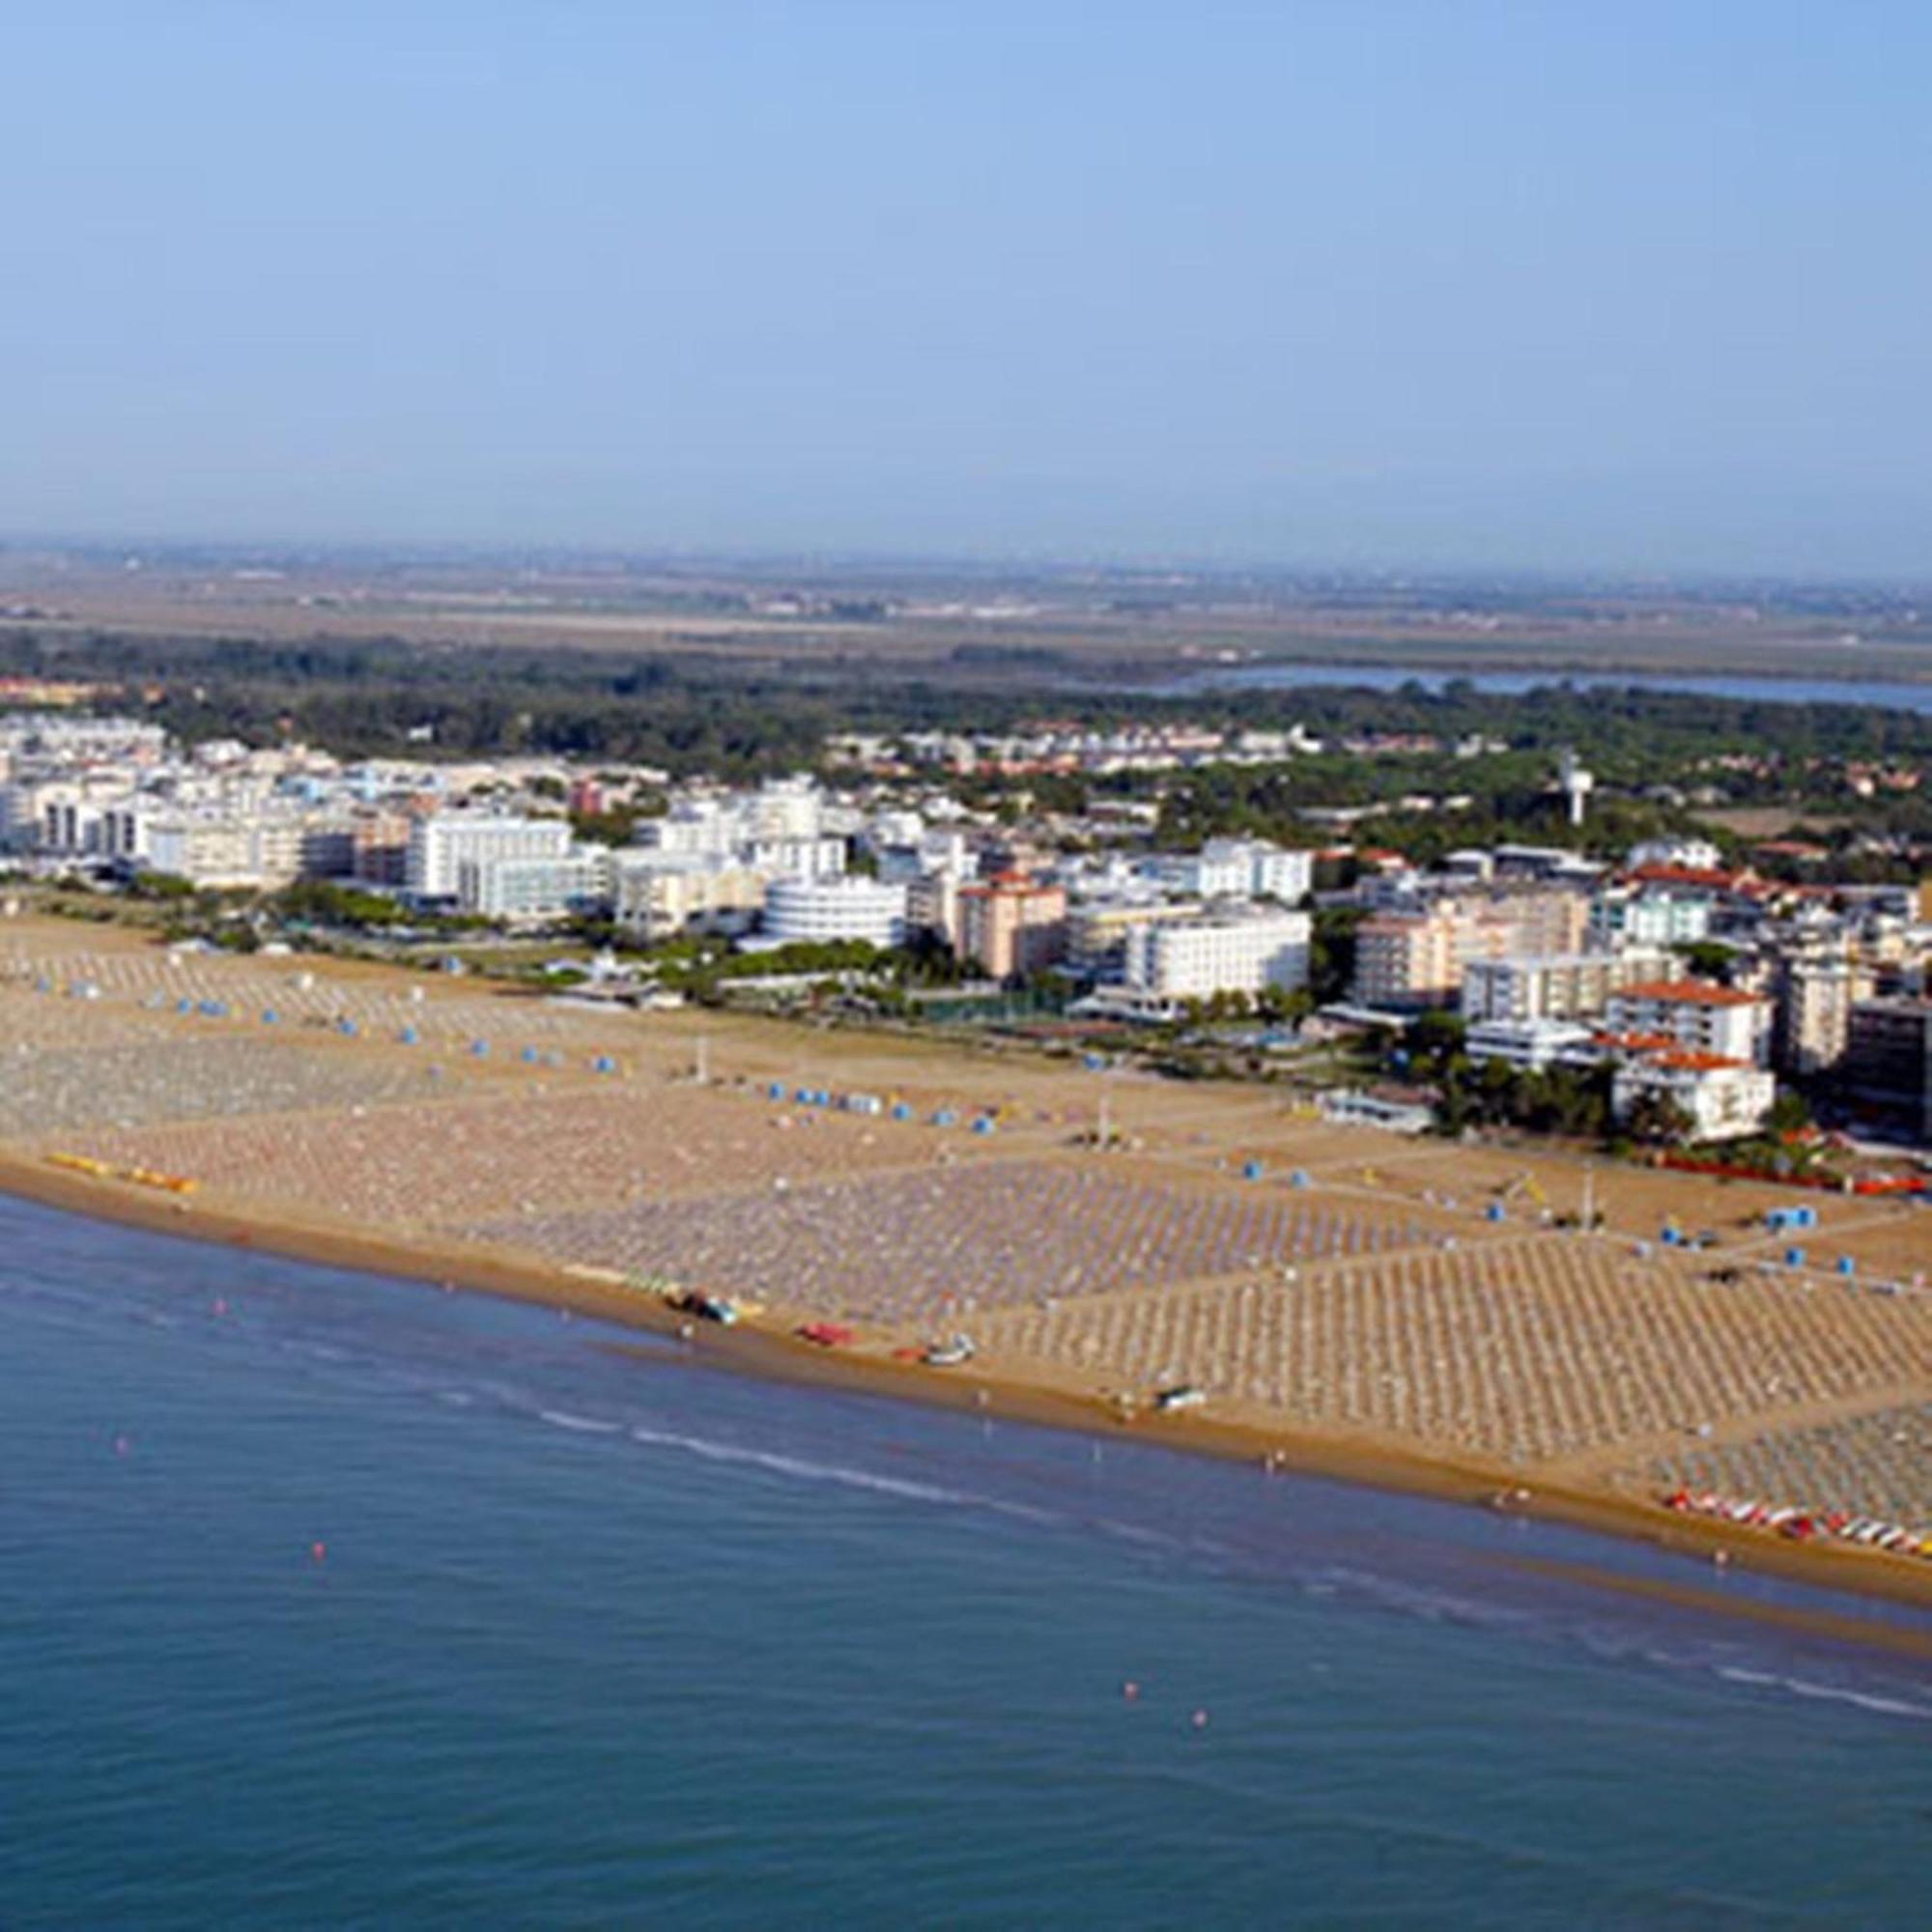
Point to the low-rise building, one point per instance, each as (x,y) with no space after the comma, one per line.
(1720,1098)
(661,895)
(1533,1045)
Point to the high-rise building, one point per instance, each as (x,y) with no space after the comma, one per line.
(1229,951)
(1888,1061)
(1719,1021)
(442,842)
(1013,924)
(1555,986)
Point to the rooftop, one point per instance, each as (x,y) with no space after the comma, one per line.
(1692,993)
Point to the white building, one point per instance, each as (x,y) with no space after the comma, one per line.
(1555,986)
(785,829)
(1653,917)
(815,911)
(236,847)
(1224,951)
(1723,1099)
(660,894)
(443,842)
(1692,855)
(1533,1045)
(1696,1016)
(214,852)
(534,890)
(1237,868)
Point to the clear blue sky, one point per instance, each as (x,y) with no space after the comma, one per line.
(1645,286)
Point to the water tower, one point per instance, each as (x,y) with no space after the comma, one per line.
(1577,783)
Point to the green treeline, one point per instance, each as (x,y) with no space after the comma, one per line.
(689,714)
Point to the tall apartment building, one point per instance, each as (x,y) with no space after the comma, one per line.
(516,890)
(1699,1017)
(1232,951)
(1013,924)
(1888,1059)
(1555,986)
(1097,930)
(378,848)
(204,851)
(780,829)
(237,847)
(1237,868)
(1624,916)
(1408,959)
(1814,1011)
(442,842)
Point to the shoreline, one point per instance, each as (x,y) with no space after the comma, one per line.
(1700,1542)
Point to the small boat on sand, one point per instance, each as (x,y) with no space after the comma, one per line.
(707,1307)
(827,1334)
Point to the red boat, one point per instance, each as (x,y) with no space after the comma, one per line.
(828,1334)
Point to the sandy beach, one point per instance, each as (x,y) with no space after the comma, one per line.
(1404,1313)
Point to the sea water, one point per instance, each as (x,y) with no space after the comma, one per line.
(330,1600)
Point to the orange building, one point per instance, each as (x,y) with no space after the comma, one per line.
(1011,925)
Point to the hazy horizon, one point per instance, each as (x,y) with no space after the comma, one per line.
(1390,288)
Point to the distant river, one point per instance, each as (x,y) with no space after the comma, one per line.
(1882,695)
(326,1600)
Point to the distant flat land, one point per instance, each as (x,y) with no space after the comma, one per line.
(1052,623)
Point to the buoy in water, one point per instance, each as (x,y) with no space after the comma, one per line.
(122,1445)
(1199,1721)
(318,1552)
(1130,1691)
(221,1306)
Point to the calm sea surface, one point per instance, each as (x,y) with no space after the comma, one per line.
(331,1601)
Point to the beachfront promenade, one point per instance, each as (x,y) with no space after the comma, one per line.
(1328,1284)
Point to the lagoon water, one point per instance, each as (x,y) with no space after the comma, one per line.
(1875,694)
(599,1636)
